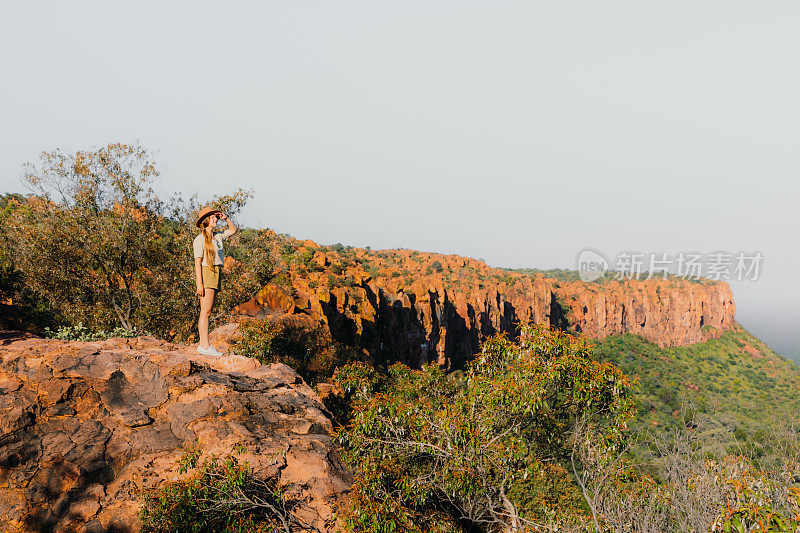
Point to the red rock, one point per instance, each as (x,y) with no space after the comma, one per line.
(668,312)
(321,259)
(273,298)
(418,306)
(230,264)
(249,308)
(88,426)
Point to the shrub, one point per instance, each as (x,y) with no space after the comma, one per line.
(756,501)
(31,310)
(485,448)
(254,269)
(84,334)
(700,489)
(221,495)
(309,351)
(100,246)
(305,257)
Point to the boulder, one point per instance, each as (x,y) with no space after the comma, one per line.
(226,337)
(274,299)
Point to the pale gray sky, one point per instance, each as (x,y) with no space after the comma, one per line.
(520,132)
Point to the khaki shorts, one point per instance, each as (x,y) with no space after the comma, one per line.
(212,277)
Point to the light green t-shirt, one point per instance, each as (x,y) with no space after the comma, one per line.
(219,251)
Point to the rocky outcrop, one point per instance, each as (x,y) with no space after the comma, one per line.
(417,307)
(668,312)
(87,427)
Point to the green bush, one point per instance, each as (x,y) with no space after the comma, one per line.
(309,351)
(84,334)
(23,307)
(484,449)
(222,495)
(98,245)
(254,268)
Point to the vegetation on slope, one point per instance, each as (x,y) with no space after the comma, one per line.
(736,380)
(309,351)
(532,437)
(569,276)
(482,450)
(220,494)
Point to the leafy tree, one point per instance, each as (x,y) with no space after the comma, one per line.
(487,449)
(8,277)
(97,242)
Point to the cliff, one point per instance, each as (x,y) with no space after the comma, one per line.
(420,307)
(88,427)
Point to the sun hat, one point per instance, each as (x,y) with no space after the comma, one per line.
(204,213)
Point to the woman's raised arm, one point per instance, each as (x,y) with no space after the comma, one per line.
(232,229)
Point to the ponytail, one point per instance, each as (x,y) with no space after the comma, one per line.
(209,246)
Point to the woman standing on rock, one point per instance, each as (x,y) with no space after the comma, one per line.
(209,258)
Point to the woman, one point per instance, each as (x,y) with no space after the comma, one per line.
(209,258)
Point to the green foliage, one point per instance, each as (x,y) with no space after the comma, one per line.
(735,380)
(221,495)
(189,458)
(99,246)
(728,493)
(753,512)
(569,276)
(559,274)
(8,204)
(309,351)
(84,334)
(254,267)
(486,447)
(31,310)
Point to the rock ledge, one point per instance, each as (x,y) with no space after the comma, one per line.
(87,426)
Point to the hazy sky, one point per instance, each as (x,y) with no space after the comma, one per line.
(519,132)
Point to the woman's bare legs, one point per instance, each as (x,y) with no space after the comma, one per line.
(206,303)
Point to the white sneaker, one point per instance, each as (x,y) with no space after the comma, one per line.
(209,351)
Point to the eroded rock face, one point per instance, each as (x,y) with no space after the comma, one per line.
(419,324)
(668,312)
(87,426)
(420,307)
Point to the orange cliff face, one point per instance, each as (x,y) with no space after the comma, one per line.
(671,312)
(418,307)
